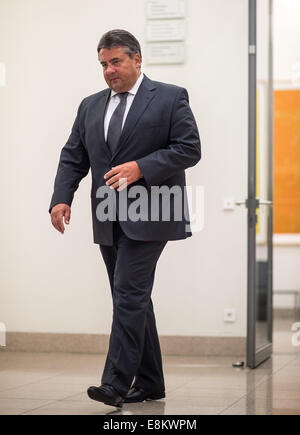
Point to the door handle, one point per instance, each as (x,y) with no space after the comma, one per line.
(258,202)
(265,202)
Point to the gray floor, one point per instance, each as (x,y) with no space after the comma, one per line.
(46,383)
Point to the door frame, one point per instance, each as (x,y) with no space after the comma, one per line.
(257,356)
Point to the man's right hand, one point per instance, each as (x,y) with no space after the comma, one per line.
(58,212)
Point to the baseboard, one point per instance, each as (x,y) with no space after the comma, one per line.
(94,343)
(284,313)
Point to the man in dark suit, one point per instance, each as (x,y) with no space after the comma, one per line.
(138,136)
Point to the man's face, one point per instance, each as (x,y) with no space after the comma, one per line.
(119,69)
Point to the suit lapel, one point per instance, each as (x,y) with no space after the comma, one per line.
(100,114)
(141,100)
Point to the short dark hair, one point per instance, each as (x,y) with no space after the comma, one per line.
(120,38)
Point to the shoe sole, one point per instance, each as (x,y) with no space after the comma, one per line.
(102,399)
(148,398)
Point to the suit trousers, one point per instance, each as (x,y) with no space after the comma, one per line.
(134,355)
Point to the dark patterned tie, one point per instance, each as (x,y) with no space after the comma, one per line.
(115,124)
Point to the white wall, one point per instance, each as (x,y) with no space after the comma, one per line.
(286,39)
(55,283)
(286,73)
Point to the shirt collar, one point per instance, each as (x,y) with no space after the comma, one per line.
(134,88)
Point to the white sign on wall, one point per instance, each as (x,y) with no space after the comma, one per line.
(165,30)
(165,9)
(2,74)
(165,52)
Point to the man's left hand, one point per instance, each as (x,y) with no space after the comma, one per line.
(129,172)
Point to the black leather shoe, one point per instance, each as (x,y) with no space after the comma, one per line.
(106,394)
(139,395)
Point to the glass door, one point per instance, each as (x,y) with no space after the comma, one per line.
(260,184)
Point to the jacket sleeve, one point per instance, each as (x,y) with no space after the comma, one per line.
(73,165)
(183,149)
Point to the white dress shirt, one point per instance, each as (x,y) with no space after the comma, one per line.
(114,101)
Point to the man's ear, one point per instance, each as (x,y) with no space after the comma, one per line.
(138,59)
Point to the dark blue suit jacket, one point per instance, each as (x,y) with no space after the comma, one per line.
(160,133)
